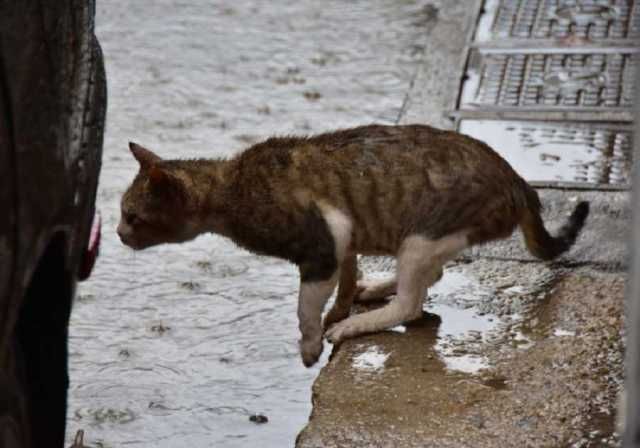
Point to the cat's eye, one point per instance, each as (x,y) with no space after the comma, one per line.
(132,219)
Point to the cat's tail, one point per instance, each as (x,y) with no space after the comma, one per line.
(539,242)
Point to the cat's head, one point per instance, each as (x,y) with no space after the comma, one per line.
(158,206)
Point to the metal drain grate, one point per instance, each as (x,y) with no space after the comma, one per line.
(568,152)
(553,79)
(557,19)
(550,85)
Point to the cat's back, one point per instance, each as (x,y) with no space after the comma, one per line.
(373,150)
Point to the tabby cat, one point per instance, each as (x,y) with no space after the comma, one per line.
(416,192)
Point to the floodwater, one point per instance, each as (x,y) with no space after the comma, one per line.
(177,346)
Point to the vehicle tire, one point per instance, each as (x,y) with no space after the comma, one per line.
(41,336)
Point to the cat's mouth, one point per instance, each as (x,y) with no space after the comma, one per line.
(134,243)
(138,246)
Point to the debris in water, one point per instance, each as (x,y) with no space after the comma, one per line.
(264,110)
(204,265)
(85,297)
(160,328)
(191,286)
(258,418)
(545,156)
(312,96)
(157,405)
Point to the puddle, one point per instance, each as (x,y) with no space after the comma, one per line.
(462,328)
(461,331)
(371,359)
(458,286)
(465,363)
(569,152)
(559,332)
(475,313)
(476,305)
(459,323)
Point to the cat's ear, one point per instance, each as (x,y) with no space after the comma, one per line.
(145,157)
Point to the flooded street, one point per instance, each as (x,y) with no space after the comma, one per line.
(179,345)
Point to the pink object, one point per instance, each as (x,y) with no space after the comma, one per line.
(93,248)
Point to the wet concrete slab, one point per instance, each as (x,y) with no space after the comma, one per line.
(550,365)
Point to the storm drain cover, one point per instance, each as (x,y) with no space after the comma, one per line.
(561,79)
(566,152)
(558,19)
(549,84)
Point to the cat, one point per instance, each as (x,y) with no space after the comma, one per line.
(416,192)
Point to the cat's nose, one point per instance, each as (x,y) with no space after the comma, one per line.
(121,232)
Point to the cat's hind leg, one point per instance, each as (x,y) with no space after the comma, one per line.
(420,262)
(371,290)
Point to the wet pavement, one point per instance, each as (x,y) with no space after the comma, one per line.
(188,345)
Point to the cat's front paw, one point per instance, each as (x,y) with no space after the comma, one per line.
(310,351)
(340,331)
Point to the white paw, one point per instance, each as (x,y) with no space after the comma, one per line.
(310,350)
(340,331)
